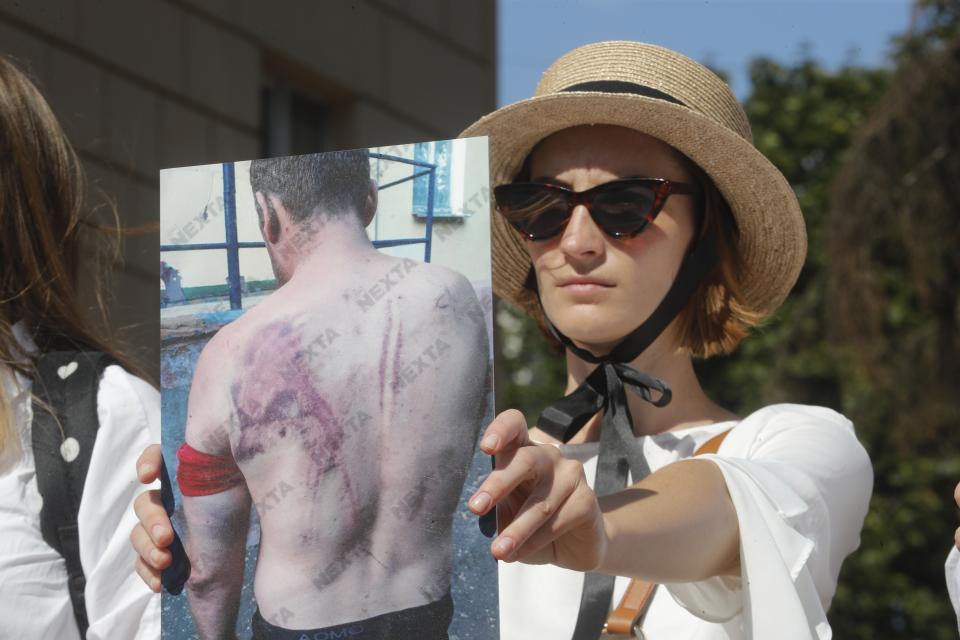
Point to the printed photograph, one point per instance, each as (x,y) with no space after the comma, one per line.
(326,369)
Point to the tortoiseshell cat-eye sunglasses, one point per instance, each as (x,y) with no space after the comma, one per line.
(623,207)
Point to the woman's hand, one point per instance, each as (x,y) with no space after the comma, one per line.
(154,533)
(546,512)
(956,534)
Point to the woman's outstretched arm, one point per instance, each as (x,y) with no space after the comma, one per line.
(548,513)
(684,512)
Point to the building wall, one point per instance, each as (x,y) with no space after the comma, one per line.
(145,84)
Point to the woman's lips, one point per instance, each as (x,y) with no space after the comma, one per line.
(584,286)
(563,282)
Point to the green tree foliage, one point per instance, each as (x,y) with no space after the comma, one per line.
(892,285)
(872,327)
(803,119)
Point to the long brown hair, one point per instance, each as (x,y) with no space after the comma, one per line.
(44,219)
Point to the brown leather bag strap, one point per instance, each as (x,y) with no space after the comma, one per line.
(713,444)
(632,607)
(636,600)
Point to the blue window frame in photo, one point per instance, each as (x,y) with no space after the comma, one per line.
(437,153)
(232,245)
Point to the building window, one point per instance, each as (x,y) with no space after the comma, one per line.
(292,123)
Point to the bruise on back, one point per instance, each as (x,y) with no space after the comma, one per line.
(275,397)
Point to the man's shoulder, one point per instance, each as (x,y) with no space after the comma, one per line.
(220,342)
(434,287)
(452,287)
(232,337)
(427,272)
(220,351)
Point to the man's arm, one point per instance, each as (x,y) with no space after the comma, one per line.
(475,367)
(217,518)
(218,531)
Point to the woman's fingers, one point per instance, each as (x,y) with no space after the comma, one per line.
(508,430)
(153,517)
(148,464)
(157,559)
(579,505)
(503,438)
(148,575)
(153,533)
(956,534)
(542,515)
(540,495)
(526,464)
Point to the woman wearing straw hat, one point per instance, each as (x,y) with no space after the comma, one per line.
(639,225)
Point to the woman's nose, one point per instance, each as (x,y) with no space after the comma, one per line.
(582,236)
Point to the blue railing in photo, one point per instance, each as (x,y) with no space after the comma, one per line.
(232,245)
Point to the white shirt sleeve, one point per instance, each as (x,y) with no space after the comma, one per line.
(952,569)
(800,482)
(119,603)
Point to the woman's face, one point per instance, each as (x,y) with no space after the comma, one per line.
(596,288)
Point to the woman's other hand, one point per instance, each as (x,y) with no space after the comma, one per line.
(546,512)
(956,534)
(154,533)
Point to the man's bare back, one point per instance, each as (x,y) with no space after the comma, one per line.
(353,400)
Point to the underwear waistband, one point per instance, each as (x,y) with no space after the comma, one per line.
(425,622)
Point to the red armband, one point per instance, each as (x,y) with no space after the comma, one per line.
(201,474)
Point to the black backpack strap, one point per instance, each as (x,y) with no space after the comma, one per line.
(67,381)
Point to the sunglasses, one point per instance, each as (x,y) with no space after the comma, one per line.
(621,208)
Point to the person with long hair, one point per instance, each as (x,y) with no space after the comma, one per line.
(66,570)
(640,227)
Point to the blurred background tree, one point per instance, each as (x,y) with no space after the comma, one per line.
(871,328)
(893,326)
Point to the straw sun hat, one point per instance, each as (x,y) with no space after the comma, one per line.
(669,96)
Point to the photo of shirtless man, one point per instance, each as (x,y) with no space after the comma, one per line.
(344,408)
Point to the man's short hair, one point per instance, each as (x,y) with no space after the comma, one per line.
(333,183)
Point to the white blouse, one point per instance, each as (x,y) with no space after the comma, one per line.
(800,482)
(34,600)
(952,571)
